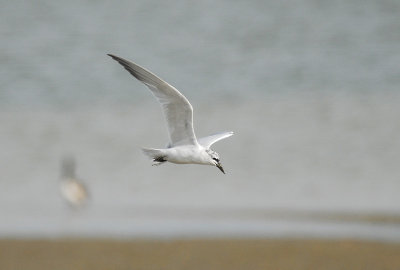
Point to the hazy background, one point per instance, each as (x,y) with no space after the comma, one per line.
(311,89)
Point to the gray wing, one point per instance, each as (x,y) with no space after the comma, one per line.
(177,109)
(209,140)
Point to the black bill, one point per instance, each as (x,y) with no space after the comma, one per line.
(219,166)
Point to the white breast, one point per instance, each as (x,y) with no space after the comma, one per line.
(74,192)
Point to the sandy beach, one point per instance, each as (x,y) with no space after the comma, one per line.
(197,254)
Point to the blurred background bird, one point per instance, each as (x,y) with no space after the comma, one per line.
(73,190)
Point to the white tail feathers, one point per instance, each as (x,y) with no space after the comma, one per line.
(155,154)
(151,152)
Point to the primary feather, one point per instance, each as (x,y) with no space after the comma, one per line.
(177,109)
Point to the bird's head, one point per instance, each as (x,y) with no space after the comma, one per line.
(214,159)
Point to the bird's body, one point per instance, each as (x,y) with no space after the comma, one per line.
(190,154)
(184,147)
(74,192)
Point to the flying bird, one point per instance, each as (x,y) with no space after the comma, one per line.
(183,147)
(72,189)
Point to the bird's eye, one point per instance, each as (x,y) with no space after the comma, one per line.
(216,159)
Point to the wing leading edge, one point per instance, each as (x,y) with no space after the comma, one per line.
(177,109)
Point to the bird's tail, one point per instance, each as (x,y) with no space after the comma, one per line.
(156,155)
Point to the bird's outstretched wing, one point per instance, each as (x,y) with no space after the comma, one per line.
(209,140)
(177,109)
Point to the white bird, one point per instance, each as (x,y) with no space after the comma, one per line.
(183,147)
(72,189)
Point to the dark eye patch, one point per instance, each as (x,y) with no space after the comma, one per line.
(216,159)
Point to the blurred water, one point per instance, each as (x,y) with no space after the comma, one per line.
(309,87)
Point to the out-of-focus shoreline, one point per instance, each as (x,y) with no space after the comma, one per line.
(92,253)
